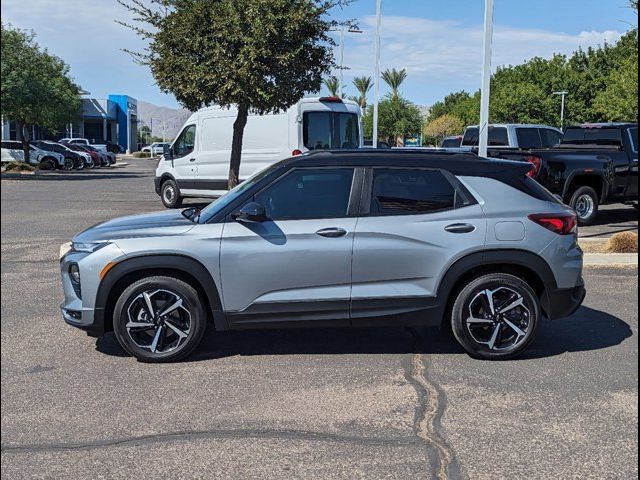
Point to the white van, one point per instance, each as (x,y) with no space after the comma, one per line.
(197,163)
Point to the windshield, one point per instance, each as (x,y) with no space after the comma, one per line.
(217,205)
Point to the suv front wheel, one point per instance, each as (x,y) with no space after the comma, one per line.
(495,316)
(159,319)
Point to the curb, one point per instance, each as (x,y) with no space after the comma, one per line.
(610,259)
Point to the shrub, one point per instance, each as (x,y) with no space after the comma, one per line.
(623,242)
(19,167)
(141,155)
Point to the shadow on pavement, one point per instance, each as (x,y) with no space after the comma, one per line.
(587,330)
(73,176)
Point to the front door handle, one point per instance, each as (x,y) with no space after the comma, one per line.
(192,159)
(332,232)
(460,228)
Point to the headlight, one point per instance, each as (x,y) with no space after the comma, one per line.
(74,273)
(88,247)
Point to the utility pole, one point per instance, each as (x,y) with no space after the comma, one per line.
(563,94)
(376,89)
(342,32)
(486,79)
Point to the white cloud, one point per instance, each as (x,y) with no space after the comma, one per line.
(442,56)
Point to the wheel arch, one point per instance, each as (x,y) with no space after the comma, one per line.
(131,269)
(596,181)
(524,264)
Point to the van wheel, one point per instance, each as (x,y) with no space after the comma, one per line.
(170,194)
(159,319)
(585,203)
(495,316)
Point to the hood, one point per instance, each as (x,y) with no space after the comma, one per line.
(164,223)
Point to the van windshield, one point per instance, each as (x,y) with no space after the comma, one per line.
(330,130)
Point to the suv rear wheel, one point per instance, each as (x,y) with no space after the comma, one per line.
(495,316)
(159,319)
(170,194)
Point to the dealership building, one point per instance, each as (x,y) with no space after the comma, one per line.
(113,119)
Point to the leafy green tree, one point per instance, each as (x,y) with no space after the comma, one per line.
(396,118)
(36,88)
(394,78)
(332,84)
(437,129)
(619,100)
(258,55)
(363,86)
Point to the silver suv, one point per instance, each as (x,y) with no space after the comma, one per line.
(349,238)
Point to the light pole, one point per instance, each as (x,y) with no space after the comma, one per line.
(351,30)
(563,94)
(486,79)
(376,88)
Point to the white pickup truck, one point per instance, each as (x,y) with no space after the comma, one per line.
(83,141)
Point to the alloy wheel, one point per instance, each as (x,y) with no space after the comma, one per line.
(498,319)
(158,321)
(584,206)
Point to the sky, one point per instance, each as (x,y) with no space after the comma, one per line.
(439,42)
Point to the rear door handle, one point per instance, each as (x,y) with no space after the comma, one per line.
(460,228)
(332,232)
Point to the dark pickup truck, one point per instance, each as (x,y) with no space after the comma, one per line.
(595,163)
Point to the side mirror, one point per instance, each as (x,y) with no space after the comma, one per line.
(252,212)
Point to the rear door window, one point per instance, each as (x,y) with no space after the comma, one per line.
(528,138)
(603,136)
(398,191)
(550,138)
(498,137)
(633,135)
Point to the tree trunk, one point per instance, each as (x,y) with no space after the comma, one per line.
(24,136)
(236,145)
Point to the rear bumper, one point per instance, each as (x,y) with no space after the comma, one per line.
(563,302)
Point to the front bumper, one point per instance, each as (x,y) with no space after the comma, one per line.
(157,184)
(563,302)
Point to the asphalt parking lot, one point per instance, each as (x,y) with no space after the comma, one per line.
(376,403)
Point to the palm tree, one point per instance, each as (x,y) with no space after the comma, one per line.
(333,85)
(363,85)
(394,79)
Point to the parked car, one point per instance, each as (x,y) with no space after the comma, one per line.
(103,155)
(596,163)
(79,159)
(83,141)
(351,238)
(197,164)
(114,148)
(515,135)
(12,150)
(94,158)
(157,148)
(368,143)
(453,141)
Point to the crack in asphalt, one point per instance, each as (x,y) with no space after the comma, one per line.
(428,417)
(211,434)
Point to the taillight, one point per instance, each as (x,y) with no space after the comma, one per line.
(560,223)
(536,162)
(296,152)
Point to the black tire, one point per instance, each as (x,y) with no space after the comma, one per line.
(585,202)
(48,163)
(68,164)
(170,194)
(476,336)
(190,319)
